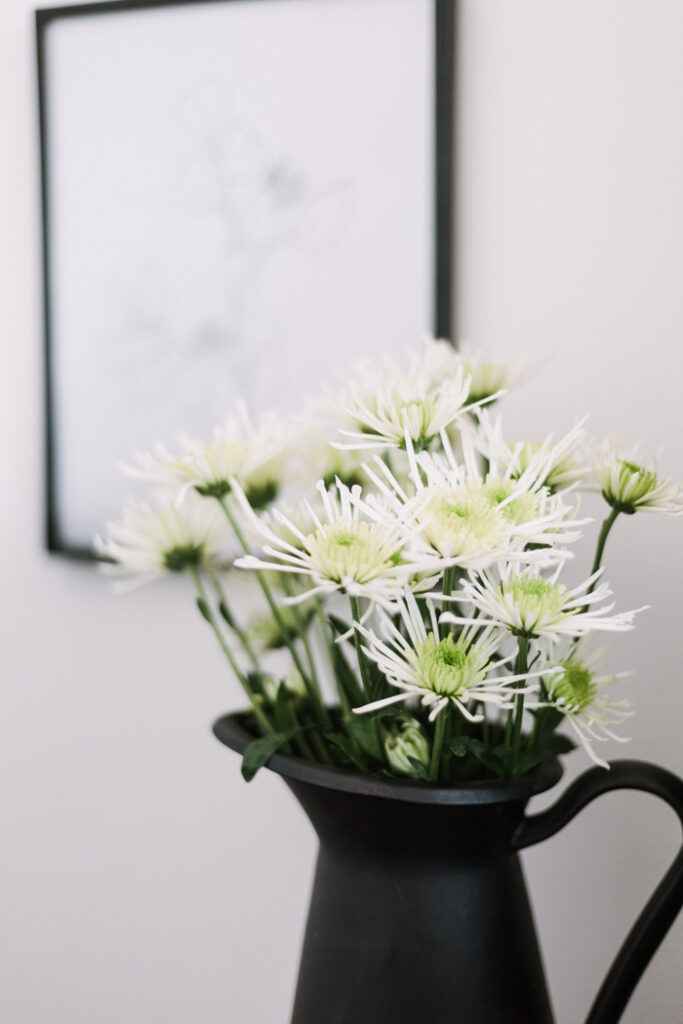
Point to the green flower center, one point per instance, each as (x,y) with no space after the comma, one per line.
(215,489)
(486,379)
(260,495)
(183,556)
(635,481)
(575,688)
(351,550)
(417,415)
(462,522)
(538,602)
(447,667)
(521,509)
(352,478)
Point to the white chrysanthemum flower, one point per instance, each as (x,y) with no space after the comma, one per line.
(473,522)
(353,547)
(464,525)
(576,688)
(489,379)
(253,455)
(536,517)
(527,604)
(149,542)
(404,743)
(408,410)
(554,464)
(439,670)
(630,487)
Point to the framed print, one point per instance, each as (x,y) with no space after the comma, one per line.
(240,197)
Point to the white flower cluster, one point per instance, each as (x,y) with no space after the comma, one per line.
(450,542)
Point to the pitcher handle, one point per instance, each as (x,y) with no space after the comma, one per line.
(663,906)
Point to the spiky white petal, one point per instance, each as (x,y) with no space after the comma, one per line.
(526,603)
(147,542)
(555,464)
(437,668)
(576,689)
(408,409)
(253,455)
(350,546)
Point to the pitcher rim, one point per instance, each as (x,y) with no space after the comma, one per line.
(231,731)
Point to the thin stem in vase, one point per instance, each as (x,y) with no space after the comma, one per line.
(602,540)
(205,609)
(232,622)
(310,684)
(520,668)
(437,745)
(362,663)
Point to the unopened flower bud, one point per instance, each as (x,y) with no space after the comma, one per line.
(405,742)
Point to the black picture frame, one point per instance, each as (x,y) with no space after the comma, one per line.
(443,13)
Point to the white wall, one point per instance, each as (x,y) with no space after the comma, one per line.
(142,880)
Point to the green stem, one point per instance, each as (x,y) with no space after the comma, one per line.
(435,758)
(205,609)
(311,681)
(602,540)
(365,673)
(227,614)
(362,663)
(314,693)
(320,615)
(449,575)
(485,723)
(520,668)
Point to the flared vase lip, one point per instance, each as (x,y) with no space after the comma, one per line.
(231,731)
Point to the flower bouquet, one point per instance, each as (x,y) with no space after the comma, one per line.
(408,612)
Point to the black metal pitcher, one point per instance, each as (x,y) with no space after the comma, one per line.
(419,912)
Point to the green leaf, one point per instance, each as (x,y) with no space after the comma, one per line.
(260,751)
(547,720)
(419,769)
(225,613)
(529,759)
(282,711)
(460,746)
(492,759)
(363,731)
(558,743)
(347,748)
(347,680)
(204,610)
(338,625)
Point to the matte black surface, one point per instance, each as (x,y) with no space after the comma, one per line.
(663,906)
(419,912)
